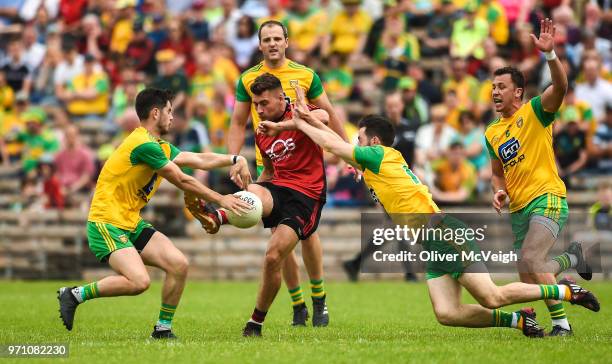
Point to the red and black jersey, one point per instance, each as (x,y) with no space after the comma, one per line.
(297,160)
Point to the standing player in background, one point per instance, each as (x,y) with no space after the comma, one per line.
(273,43)
(405,199)
(116,232)
(524,169)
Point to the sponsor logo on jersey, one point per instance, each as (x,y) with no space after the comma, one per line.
(145,191)
(280,149)
(509,150)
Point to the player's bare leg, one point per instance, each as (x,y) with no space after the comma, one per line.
(281,244)
(445,295)
(312,253)
(492,296)
(132,279)
(534,264)
(160,252)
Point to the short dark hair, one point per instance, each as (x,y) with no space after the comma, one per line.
(380,126)
(515,74)
(270,23)
(150,98)
(265,82)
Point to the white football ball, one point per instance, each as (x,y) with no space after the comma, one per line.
(252,217)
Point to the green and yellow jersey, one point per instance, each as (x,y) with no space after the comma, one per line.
(289,74)
(128,179)
(523,143)
(391,182)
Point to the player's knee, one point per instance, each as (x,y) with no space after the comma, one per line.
(140,283)
(530,262)
(445,316)
(179,265)
(273,260)
(491,301)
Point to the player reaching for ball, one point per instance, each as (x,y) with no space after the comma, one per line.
(291,188)
(404,197)
(116,232)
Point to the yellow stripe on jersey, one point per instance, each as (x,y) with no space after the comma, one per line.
(289,73)
(391,182)
(523,144)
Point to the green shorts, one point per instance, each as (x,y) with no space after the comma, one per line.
(548,205)
(456,267)
(106,238)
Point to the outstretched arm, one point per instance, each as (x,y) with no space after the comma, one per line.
(328,140)
(553,96)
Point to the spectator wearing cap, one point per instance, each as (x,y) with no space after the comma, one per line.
(37,140)
(16,72)
(416,109)
(122,24)
(432,142)
(169,77)
(570,145)
(195,21)
(463,84)
(141,50)
(595,89)
(469,34)
(455,177)
(602,142)
(348,30)
(74,164)
(436,40)
(306,25)
(87,94)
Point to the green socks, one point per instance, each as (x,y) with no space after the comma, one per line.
(316,287)
(507,319)
(555,292)
(166,313)
(86,292)
(297,297)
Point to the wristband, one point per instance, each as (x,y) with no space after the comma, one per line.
(550,56)
(234,159)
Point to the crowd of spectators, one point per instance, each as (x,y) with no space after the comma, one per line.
(426,64)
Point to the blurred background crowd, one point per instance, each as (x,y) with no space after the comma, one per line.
(70,71)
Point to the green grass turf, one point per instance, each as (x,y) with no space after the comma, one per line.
(370,322)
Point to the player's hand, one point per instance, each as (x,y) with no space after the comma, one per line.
(499,200)
(546,41)
(268,128)
(357,174)
(234,204)
(240,173)
(300,108)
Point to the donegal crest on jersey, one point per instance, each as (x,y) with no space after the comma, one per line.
(523,144)
(128,179)
(289,74)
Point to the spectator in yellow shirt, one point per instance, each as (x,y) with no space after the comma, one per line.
(349,30)
(494,13)
(122,32)
(7,95)
(306,25)
(88,93)
(455,176)
(464,84)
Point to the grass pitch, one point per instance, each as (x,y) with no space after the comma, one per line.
(370,322)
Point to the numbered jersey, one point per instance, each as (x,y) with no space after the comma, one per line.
(391,182)
(128,179)
(523,144)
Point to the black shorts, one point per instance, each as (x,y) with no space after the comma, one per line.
(294,209)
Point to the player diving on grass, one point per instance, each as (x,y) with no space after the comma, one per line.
(400,193)
(273,43)
(116,232)
(524,169)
